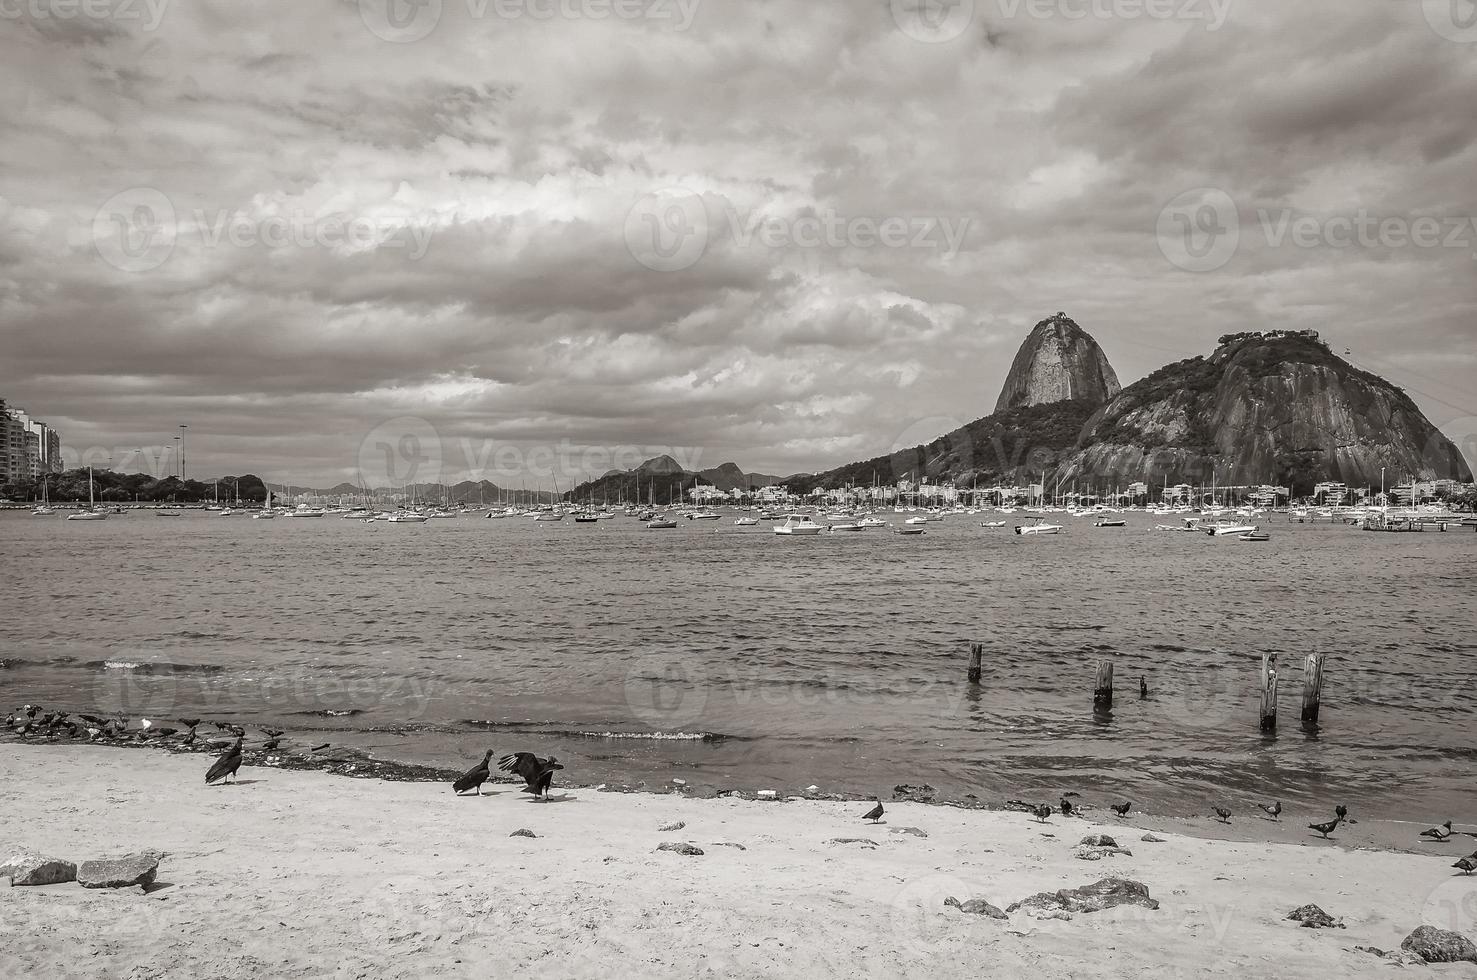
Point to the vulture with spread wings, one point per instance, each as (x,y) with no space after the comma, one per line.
(537,773)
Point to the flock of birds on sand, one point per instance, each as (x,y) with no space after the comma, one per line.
(537,773)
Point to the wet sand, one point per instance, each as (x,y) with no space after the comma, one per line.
(309,874)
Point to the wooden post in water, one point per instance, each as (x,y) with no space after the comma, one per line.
(1102,691)
(976,655)
(1269,692)
(1312,687)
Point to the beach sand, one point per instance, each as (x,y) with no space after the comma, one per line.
(302,874)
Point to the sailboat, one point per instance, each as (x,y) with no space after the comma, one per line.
(43,509)
(90,514)
(266,513)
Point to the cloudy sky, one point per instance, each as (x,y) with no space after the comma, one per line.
(556,234)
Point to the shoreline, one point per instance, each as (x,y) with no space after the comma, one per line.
(1250,825)
(306,873)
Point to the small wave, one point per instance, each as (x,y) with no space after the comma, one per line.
(659,736)
(153,667)
(330,713)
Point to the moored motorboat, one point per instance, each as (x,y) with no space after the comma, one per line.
(798,524)
(1254,536)
(1040,527)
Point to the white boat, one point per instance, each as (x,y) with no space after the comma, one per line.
(407,517)
(264,515)
(303,510)
(1111,523)
(1229,527)
(746,522)
(849,526)
(1040,527)
(798,524)
(704,515)
(90,514)
(911,528)
(916,520)
(549,515)
(1254,536)
(993,524)
(660,524)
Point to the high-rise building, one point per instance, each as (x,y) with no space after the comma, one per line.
(28,448)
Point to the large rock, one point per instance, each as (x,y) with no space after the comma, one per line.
(681,847)
(975,906)
(1313,917)
(1105,894)
(120,872)
(1059,361)
(1440,946)
(34,869)
(1276,405)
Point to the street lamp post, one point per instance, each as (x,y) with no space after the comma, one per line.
(182,429)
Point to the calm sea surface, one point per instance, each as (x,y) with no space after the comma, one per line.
(736,658)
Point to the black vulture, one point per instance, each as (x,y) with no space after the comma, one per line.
(874,814)
(226,766)
(1274,811)
(537,773)
(1121,808)
(475,776)
(1223,813)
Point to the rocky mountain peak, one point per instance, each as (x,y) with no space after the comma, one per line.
(1059,361)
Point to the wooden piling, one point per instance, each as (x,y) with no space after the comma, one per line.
(1312,687)
(1102,691)
(976,655)
(1269,692)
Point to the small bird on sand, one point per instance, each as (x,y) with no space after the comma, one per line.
(1143,689)
(1439,834)
(475,776)
(1467,864)
(537,773)
(1341,811)
(225,767)
(274,737)
(874,814)
(1274,811)
(1066,807)
(1223,813)
(1042,811)
(1121,808)
(1325,828)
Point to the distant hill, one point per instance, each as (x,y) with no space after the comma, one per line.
(663,479)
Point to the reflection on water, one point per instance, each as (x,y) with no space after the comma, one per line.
(733,657)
